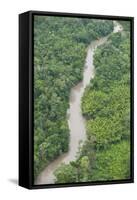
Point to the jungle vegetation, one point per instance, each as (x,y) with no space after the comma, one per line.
(106,107)
(60,46)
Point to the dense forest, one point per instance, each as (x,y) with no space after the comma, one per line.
(105,154)
(60,46)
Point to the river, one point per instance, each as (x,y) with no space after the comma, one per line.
(76,121)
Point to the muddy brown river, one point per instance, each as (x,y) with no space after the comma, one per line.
(76,121)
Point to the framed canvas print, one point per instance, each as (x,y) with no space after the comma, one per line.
(75,99)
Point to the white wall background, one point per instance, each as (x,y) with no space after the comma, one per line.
(9,11)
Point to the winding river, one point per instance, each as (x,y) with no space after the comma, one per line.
(76,121)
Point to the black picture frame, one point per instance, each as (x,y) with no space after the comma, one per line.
(26,99)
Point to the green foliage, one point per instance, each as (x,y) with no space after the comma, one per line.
(112,164)
(106,107)
(90,108)
(111,122)
(59,56)
(66,174)
(77,171)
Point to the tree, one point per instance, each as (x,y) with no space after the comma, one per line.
(66,174)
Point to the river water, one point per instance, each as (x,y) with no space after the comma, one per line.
(76,121)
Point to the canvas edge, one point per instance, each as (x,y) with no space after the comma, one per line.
(30,182)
